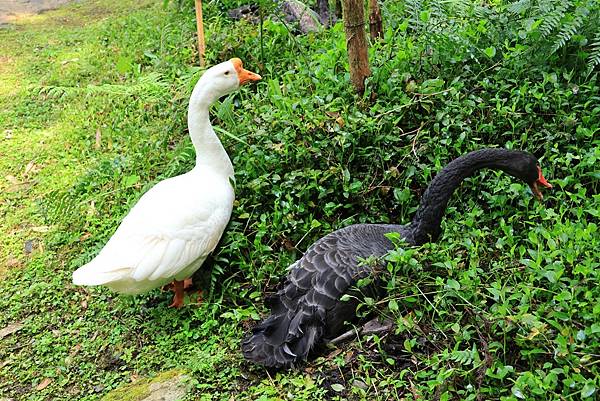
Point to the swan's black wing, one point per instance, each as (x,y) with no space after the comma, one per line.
(308,306)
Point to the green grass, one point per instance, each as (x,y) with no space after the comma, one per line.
(93,102)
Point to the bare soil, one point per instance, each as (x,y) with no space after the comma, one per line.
(11,10)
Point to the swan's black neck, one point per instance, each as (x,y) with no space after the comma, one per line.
(425,226)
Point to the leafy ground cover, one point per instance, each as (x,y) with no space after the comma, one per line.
(505,306)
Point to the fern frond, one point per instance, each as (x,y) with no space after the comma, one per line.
(519,7)
(594,57)
(552,20)
(570,28)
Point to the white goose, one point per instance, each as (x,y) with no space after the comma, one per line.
(174,226)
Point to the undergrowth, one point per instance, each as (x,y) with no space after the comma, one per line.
(503,307)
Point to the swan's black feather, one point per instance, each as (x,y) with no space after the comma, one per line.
(308,305)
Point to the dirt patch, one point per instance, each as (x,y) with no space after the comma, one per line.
(11,10)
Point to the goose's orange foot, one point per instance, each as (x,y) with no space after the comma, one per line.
(178,298)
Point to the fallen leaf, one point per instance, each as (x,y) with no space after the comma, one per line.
(84,236)
(334,353)
(75,349)
(12,262)
(98,138)
(43,384)
(11,328)
(12,180)
(30,168)
(72,60)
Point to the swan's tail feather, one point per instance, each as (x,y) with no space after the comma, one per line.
(285,338)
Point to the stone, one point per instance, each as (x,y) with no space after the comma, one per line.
(166,386)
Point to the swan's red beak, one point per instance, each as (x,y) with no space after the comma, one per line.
(540,181)
(244,76)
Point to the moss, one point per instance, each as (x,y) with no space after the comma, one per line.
(140,389)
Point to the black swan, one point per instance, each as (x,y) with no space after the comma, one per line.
(307,308)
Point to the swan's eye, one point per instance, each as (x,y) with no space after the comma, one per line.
(226,72)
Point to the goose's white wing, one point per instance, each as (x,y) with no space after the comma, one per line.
(167,235)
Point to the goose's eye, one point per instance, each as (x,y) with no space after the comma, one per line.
(226,72)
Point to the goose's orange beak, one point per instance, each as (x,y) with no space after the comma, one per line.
(540,181)
(244,76)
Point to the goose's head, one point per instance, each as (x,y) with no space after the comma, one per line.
(222,79)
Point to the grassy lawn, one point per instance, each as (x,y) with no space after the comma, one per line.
(93,102)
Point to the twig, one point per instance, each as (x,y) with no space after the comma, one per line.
(343,337)
(414,141)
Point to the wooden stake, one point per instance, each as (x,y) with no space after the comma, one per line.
(356,42)
(200,29)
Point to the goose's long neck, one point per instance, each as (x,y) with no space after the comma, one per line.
(425,225)
(209,150)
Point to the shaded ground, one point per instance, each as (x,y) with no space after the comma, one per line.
(11,10)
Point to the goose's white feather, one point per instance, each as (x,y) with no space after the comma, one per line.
(164,237)
(169,233)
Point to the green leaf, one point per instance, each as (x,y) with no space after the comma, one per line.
(131,180)
(588,389)
(337,387)
(452,284)
(490,51)
(124,64)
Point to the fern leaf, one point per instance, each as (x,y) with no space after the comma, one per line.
(570,28)
(519,7)
(594,57)
(552,20)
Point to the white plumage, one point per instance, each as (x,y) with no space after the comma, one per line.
(169,233)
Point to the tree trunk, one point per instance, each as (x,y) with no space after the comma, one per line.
(200,29)
(356,42)
(375,21)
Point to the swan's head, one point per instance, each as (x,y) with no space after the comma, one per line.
(222,79)
(525,166)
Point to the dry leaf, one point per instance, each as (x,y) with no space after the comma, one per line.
(30,168)
(11,328)
(40,229)
(98,138)
(85,236)
(75,349)
(72,60)
(12,262)
(12,180)
(43,384)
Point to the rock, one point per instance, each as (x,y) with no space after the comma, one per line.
(248,12)
(308,20)
(166,386)
(292,10)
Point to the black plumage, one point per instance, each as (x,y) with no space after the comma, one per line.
(308,306)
